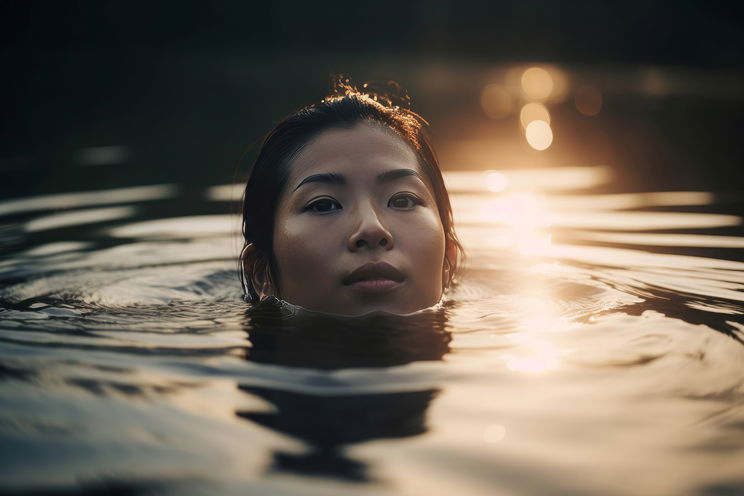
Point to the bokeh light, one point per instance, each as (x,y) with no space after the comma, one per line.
(654,82)
(537,83)
(496,182)
(588,100)
(561,85)
(539,135)
(496,101)
(534,111)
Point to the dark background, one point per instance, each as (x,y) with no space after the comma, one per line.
(186,87)
(676,32)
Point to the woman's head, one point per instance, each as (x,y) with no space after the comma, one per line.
(346,212)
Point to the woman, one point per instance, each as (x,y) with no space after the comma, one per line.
(345,211)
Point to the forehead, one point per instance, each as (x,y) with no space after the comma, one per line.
(364,150)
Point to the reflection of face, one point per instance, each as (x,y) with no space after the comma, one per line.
(357,199)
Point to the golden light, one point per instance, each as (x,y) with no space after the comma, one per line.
(496,101)
(588,100)
(537,347)
(539,135)
(537,83)
(534,364)
(496,182)
(526,218)
(534,243)
(533,111)
(494,433)
(560,85)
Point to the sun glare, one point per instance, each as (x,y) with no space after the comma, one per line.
(525,218)
(539,135)
(537,347)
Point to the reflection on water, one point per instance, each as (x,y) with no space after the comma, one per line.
(594,339)
(307,339)
(79,217)
(329,422)
(543,180)
(91,198)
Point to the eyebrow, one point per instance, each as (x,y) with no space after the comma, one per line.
(328,178)
(333,178)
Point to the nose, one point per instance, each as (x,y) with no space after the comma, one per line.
(370,232)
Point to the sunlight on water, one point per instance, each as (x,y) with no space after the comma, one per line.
(79,217)
(55,248)
(496,182)
(540,317)
(88,198)
(653,239)
(204,225)
(494,433)
(526,218)
(225,192)
(533,208)
(547,180)
(586,345)
(626,201)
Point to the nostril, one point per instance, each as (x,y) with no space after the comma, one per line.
(383,241)
(359,243)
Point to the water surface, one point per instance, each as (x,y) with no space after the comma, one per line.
(594,345)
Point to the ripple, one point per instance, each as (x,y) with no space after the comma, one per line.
(79,217)
(88,198)
(179,227)
(534,356)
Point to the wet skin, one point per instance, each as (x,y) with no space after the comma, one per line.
(357,196)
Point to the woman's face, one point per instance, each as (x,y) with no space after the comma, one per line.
(357,226)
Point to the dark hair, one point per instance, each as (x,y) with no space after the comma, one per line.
(343,108)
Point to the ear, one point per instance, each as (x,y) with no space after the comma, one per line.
(256,271)
(261,279)
(450,259)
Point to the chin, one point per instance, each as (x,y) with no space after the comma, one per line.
(357,306)
(392,307)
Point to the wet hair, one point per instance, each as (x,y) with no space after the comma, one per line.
(345,107)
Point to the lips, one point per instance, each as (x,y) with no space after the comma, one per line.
(374,271)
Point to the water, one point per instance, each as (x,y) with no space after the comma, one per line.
(593,346)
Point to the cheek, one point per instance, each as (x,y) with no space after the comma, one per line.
(423,240)
(303,251)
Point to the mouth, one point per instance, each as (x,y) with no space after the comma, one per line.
(374,277)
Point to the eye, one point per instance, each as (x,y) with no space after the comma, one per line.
(404,201)
(322,206)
